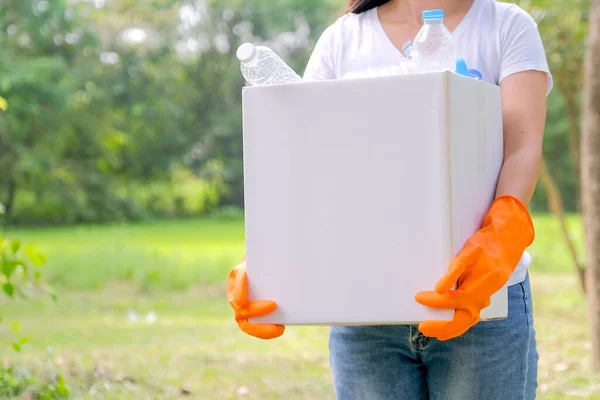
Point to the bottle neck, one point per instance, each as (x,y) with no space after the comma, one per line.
(251,62)
(433,22)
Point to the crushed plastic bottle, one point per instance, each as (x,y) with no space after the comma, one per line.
(261,66)
(462,69)
(433,49)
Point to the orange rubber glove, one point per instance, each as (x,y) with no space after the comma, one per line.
(237,294)
(483,267)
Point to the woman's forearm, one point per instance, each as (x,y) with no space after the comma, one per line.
(519,174)
(523,118)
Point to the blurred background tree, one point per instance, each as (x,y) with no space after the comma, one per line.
(563,26)
(129,109)
(591,176)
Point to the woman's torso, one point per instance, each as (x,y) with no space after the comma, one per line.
(495,38)
(358,43)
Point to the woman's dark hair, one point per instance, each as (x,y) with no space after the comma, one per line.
(360,6)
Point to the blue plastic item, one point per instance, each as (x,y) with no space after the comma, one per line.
(461,67)
(473,73)
(433,15)
(406,48)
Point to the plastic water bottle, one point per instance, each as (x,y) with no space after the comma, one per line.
(406,49)
(261,66)
(433,49)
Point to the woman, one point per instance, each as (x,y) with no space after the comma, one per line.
(462,359)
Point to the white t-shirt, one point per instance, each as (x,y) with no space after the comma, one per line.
(498,39)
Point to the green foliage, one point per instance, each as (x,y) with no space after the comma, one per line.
(111,103)
(13,383)
(19,273)
(16,382)
(54,391)
(91,115)
(16,271)
(18,267)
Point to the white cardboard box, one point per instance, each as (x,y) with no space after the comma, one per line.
(359,192)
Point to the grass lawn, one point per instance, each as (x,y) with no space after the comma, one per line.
(142,315)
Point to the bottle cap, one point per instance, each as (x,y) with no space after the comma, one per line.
(433,15)
(246,52)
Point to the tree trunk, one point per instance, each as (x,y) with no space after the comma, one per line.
(10,200)
(556,206)
(590,176)
(573,113)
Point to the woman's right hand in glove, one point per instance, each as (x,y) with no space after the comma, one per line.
(237,294)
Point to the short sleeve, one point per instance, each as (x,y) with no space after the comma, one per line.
(320,64)
(522,47)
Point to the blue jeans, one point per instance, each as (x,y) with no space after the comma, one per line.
(494,360)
